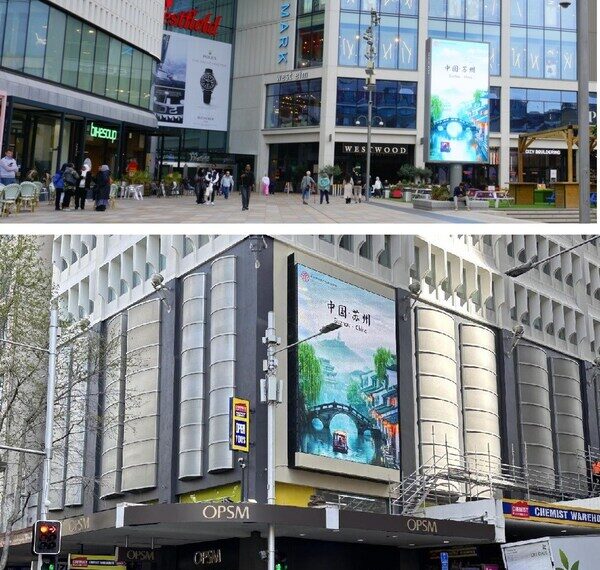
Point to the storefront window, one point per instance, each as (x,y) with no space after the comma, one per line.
(396,37)
(495,109)
(394,103)
(539,109)
(543,39)
(294,104)
(43,41)
(309,36)
(470,20)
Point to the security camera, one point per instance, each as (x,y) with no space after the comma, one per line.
(565,3)
(518,331)
(157,281)
(415,288)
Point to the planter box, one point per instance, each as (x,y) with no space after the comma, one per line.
(422,204)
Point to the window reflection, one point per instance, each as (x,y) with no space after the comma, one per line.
(293,104)
(540,109)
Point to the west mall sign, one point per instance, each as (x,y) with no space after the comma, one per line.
(188,20)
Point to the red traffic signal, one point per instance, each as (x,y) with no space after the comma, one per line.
(46,537)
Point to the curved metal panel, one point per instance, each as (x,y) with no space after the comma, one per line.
(437,384)
(222,361)
(140,424)
(568,417)
(191,403)
(481,421)
(535,412)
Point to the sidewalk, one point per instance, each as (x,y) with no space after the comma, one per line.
(275,209)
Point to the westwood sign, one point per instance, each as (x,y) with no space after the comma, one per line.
(189,20)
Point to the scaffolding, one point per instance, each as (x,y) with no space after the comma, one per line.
(450,476)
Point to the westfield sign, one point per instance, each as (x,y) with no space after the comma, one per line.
(189,20)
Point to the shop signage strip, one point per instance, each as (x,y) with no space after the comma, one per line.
(188,20)
(550,513)
(240,425)
(383,149)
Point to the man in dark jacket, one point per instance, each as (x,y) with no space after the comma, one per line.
(71,180)
(246,186)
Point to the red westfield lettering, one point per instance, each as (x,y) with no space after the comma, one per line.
(188,20)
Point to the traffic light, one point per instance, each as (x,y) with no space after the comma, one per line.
(49,563)
(46,538)
(280,560)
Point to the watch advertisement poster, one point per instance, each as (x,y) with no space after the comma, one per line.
(457,102)
(192,84)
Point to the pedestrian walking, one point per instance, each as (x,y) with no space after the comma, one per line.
(211,179)
(461,195)
(264,184)
(357,190)
(85,182)
(102,190)
(71,180)
(324,186)
(246,186)
(377,188)
(199,186)
(348,184)
(305,186)
(8,168)
(59,185)
(226,184)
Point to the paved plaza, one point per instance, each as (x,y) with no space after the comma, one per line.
(274,209)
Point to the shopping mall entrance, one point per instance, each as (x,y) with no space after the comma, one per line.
(289,163)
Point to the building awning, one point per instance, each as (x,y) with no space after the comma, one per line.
(177,524)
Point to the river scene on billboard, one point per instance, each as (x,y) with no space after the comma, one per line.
(459,102)
(347,389)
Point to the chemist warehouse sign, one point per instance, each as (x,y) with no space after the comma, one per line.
(550,513)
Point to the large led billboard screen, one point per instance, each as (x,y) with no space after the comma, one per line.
(191,86)
(457,102)
(346,399)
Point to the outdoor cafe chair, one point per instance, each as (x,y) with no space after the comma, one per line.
(27,196)
(11,195)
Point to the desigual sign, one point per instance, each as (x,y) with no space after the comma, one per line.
(384,149)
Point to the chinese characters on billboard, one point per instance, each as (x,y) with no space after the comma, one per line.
(347,381)
(191,87)
(458,101)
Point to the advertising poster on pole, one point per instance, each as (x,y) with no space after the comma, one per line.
(457,107)
(347,381)
(94,562)
(192,83)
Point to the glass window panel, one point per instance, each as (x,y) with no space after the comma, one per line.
(112,74)
(571,97)
(518,51)
(57,23)
(535,9)
(408,43)
(491,10)
(368,5)
(568,16)
(456,9)
(491,34)
(569,55)
(437,8)
(390,7)
(71,52)
(100,64)
(518,13)
(474,10)
(86,58)
(125,72)
(495,109)
(136,78)
(15,33)
(409,7)
(552,13)
(37,33)
(3,8)
(473,32)
(147,72)
(437,28)
(272,89)
(388,42)
(455,30)
(350,5)
(535,52)
(348,41)
(552,54)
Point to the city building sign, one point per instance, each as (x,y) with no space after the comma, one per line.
(422,525)
(103,133)
(550,513)
(382,149)
(240,425)
(208,557)
(226,512)
(189,20)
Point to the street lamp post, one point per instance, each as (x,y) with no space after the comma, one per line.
(583,106)
(370,54)
(272,393)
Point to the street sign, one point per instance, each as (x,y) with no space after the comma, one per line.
(444,560)
(240,425)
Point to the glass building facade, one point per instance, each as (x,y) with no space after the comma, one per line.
(293,104)
(539,109)
(310,33)
(543,39)
(42,41)
(397,35)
